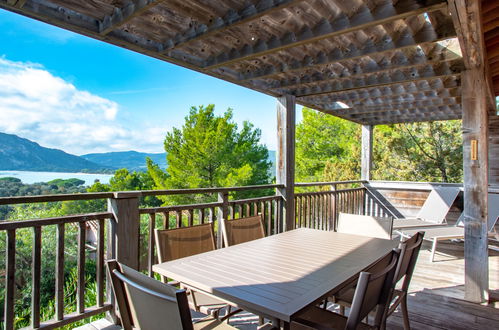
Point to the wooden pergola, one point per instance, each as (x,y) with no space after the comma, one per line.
(372,62)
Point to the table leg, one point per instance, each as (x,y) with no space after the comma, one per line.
(433,249)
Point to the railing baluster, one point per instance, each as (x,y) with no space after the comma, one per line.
(268,217)
(190,217)
(166,220)
(246,210)
(212,214)
(10,279)
(201,215)
(150,248)
(80,290)
(178,215)
(100,263)
(35,276)
(59,273)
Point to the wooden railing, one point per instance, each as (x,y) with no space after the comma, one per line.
(81,222)
(125,231)
(320,209)
(117,234)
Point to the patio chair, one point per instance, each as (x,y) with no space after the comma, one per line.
(183,242)
(456,232)
(409,252)
(243,230)
(372,291)
(147,304)
(365,225)
(433,211)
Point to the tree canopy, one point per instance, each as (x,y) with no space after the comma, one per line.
(328,149)
(210,151)
(429,151)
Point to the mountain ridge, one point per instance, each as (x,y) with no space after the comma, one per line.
(21,154)
(131,160)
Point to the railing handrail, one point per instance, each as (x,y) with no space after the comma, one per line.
(16,224)
(386,208)
(329,183)
(137,193)
(312,193)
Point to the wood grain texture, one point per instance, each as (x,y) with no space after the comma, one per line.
(285,168)
(475,172)
(275,276)
(366,157)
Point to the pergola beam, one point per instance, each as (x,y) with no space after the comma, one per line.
(405,119)
(437,85)
(121,16)
(408,73)
(231,20)
(433,104)
(377,83)
(411,111)
(407,97)
(388,65)
(363,19)
(405,42)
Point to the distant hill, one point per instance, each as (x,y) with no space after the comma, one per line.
(21,154)
(132,160)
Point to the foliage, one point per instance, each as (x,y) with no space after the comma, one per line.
(327,148)
(210,151)
(430,151)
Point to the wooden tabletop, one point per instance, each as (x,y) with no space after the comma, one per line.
(279,275)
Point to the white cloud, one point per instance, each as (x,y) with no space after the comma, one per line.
(39,106)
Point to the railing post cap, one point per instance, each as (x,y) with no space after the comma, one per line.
(127,194)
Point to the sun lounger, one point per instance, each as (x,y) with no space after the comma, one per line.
(456,232)
(434,209)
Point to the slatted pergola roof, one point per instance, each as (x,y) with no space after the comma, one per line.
(369,61)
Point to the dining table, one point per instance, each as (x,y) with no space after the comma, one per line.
(279,276)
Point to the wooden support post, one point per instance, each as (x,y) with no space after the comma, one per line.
(367,152)
(125,208)
(476,101)
(223,213)
(286,113)
(475,166)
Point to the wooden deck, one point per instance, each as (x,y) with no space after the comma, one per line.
(435,299)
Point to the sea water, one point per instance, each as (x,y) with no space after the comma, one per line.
(33,177)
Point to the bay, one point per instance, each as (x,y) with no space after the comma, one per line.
(33,177)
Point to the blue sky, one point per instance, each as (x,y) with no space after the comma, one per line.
(81,95)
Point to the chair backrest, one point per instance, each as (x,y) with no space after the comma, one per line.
(184,242)
(438,204)
(373,290)
(145,303)
(365,225)
(243,230)
(409,252)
